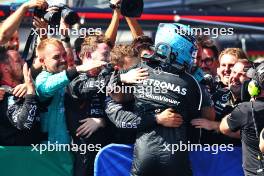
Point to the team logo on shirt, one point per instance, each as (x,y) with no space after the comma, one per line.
(165,85)
(225,97)
(157,70)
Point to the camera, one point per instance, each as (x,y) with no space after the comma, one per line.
(129,8)
(53,17)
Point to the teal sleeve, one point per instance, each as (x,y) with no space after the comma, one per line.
(48,84)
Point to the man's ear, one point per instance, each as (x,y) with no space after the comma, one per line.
(4,67)
(88,54)
(41,60)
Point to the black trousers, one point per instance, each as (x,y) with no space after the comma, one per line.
(88,148)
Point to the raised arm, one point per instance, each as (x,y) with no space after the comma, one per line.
(111,31)
(134,26)
(11,24)
(23,116)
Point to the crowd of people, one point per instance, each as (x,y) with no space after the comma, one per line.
(182,89)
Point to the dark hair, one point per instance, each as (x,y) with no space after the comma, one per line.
(141,43)
(3,58)
(207,43)
(236,52)
(3,55)
(119,52)
(90,43)
(78,43)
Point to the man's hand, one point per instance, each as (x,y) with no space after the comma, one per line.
(169,118)
(90,65)
(20,90)
(40,4)
(2,94)
(28,79)
(206,124)
(89,126)
(134,76)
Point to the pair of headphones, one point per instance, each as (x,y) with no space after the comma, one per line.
(257,83)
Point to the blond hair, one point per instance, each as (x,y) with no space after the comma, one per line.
(236,52)
(119,52)
(49,41)
(90,43)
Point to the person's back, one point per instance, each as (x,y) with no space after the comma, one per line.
(248,134)
(165,86)
(159,91)
(248,118)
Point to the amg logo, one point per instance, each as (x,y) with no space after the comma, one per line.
(165,85)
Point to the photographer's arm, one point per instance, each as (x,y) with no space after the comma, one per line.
(111,31)
(134,26)
(11,24)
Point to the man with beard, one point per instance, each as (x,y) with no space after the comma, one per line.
(50,86)
(19,117)
(225,101)
(152,151)
(221,96)
(247,119)
(207,61)
(13,42)
(209,58)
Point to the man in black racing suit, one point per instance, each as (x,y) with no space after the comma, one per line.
(166,87)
